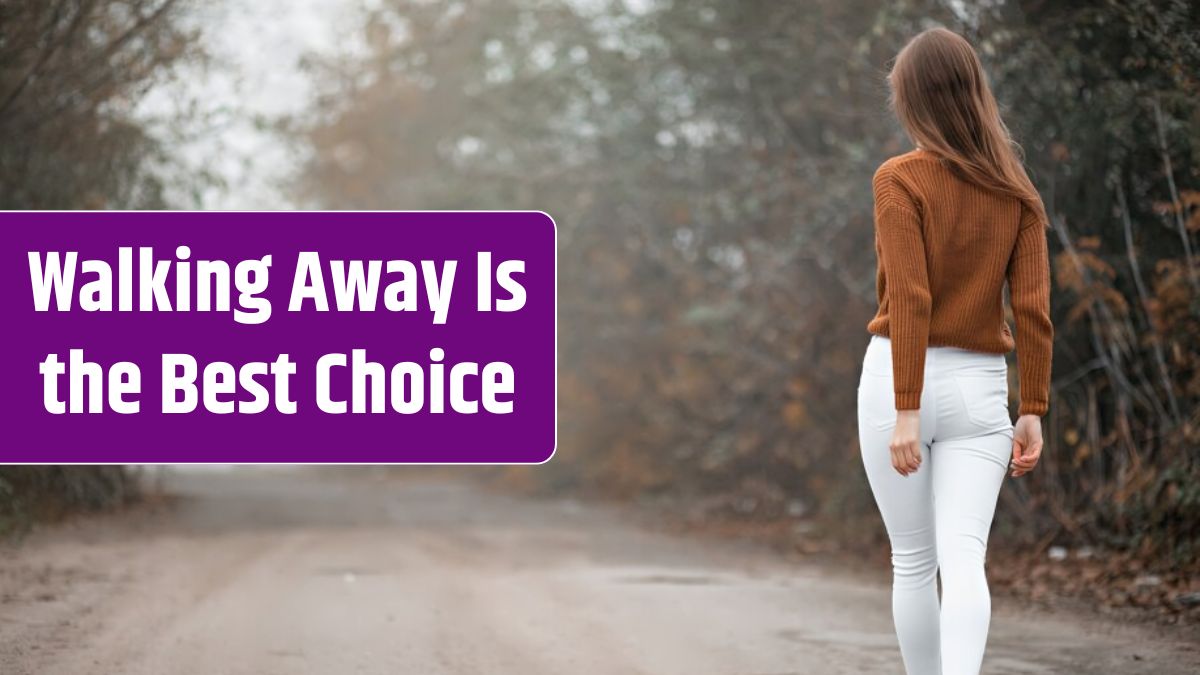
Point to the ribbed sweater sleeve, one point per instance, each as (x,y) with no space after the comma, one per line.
(1029,290)
(901,248)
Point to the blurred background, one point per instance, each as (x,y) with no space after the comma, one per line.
(708,163)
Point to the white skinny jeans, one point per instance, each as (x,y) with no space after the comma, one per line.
(938,518)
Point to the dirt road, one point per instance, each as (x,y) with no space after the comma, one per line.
(298,571)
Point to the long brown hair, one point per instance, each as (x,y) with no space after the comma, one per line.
(942,98)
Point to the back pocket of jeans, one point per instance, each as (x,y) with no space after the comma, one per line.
(985,399)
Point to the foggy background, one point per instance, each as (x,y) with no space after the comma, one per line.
(708,164)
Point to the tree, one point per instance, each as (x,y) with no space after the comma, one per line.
(70,71)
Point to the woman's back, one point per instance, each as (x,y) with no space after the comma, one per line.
(972,241)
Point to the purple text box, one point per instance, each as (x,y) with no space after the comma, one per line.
(524,339)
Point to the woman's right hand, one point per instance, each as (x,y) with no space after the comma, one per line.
(906,442)
(1027,444)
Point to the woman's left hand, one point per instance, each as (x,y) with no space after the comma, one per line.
(1027,444)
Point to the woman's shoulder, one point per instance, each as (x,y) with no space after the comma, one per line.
(898,169)
(912,159)
(914,171)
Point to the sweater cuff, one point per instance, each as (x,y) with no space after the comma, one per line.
(908,400)
(1038,408)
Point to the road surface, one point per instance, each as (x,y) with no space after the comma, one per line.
(262,571)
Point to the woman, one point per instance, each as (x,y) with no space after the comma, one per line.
(955,219)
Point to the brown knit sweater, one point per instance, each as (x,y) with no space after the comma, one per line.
(945,249)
